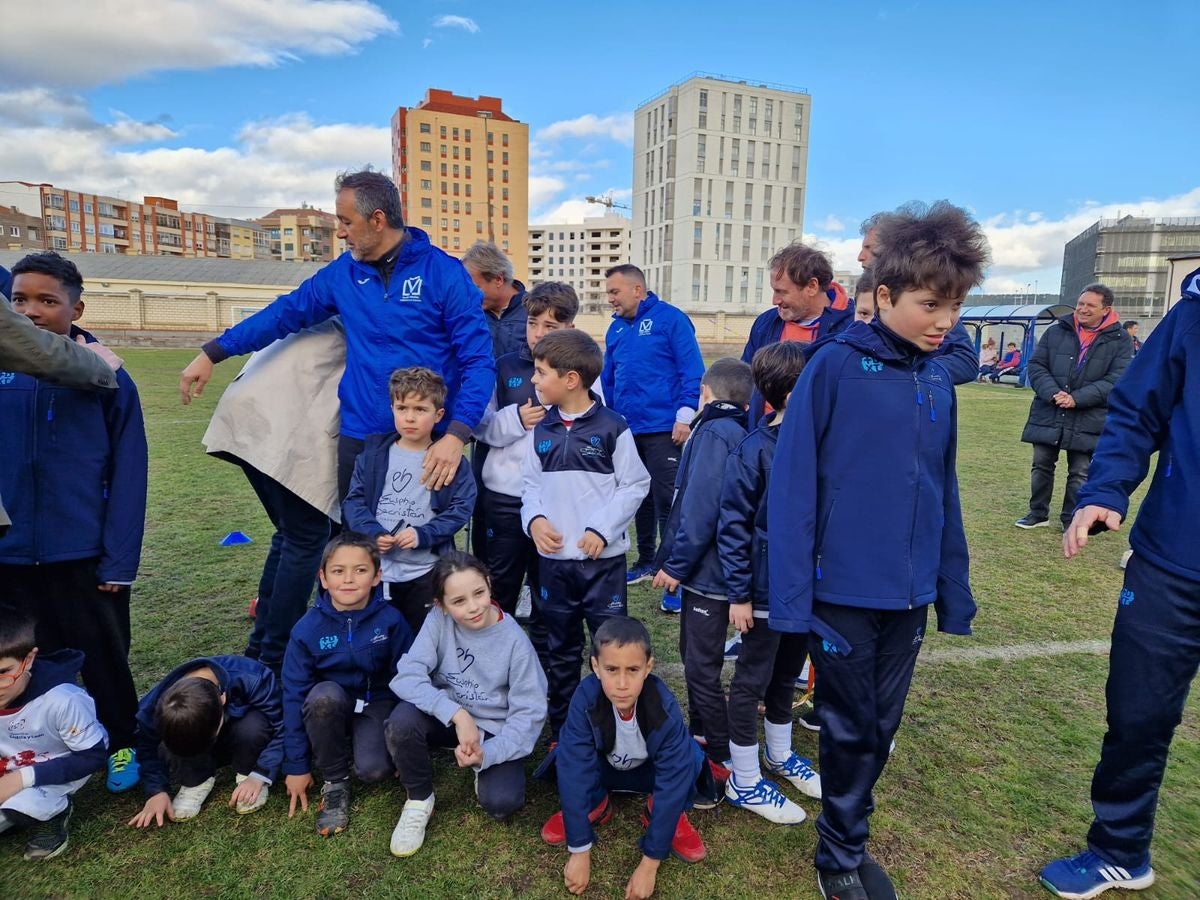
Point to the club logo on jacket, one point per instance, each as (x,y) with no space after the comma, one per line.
(328,642)
(594,448)
(644,326)
(1127,597)
(543,447)
(411,289)
(379,636)
(872,365)
(830,648)
(516,381)
(8,377)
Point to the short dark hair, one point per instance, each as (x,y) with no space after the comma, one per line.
(57,267)
(1012,343)
(801,264)
(776,368)
(350,539)
(1130,324)
(1106,295)
(188,716)
(571,350)
(452,563)
(372,191)
(16,631)
(629,271)
(729,379)
(939,248)
(621,631)
(864,285)
(555,297)
(423,382)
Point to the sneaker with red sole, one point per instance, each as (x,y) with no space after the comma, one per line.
(554,832)
(686,845)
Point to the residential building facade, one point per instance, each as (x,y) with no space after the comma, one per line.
(304,234)
(578,254)
(462,166)
(20,231)
(719,176)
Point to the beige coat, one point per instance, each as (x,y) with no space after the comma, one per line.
(282,416)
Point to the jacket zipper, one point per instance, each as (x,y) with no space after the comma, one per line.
(917,488)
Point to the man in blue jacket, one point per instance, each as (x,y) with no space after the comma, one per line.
(651,376)
(403,302)
(1155,407)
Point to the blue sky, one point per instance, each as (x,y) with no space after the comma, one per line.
(1039,117)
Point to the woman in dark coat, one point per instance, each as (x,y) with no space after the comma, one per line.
(1075,365)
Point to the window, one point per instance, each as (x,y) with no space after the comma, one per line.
(14,230)
(442,150)
(289,231)
(701,149)
(766,161)
(87,208)
(467,134)
(425,128)
(467,205)
(799,122)
(442,132)
(426,221)
(491,156)
(797,206)
(766,203)
(457,224)
(444,224)
(747,209)
(426,203)
(455,170)
(60,243)
(735,153)
(504,157)
(455,151)
(504,211)
(504,228)
(479,228)
(729,200)
(426,184)
(697,188)
(797,154)
(454,133)
(426,166)
(504,140)
(75,227)
(444,170)
(504,196)
(426,147)
(467,171)
(74,205)
(289,248)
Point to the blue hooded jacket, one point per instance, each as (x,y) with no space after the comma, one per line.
(357,649)
(247,685)
(5,283)
(742,525)
(429,314)
(78,457)
(1156,407)
(865,495)
(652,366)
(508,328)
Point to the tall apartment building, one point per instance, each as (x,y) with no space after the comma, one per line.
(20,231)
(305,234)
(1131,255)
(578,254)
(718,186)
(462,166)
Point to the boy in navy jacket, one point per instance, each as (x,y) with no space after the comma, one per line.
(625,732)
(339,661)
(208,712)
(1155,638)
(76,457)
(688,557)
(879,390)
(410,524)
(768,661)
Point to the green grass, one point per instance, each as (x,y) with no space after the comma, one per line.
(989,781)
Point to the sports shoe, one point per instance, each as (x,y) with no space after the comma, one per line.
(1087,875)
(48,839)
(671,603)
(799,773)
(5,822)
(767,800)
(733,646)
(554,832)
(244,809)
(686,844)
(524,603)
(720,775)
(808,720)
(639,573)
(333,815)
(409,834)
(805,671)
(1032,521)
(123,771)
(841,885)
(188,801)
(1125,557)
(875,879)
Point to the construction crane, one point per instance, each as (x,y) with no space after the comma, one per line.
(608,201)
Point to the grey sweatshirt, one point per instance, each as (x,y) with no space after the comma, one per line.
(493,674)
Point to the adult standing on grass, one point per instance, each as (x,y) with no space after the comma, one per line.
(403,302)
(1156,633)
(1075,365)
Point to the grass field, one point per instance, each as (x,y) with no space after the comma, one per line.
(989,780)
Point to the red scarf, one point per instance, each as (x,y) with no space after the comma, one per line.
(1087,335)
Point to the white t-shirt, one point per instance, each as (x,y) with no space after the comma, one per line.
(629,748)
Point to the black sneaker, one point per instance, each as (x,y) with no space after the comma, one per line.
(841,885)
(875,880)
(48,839)
(333,815)
(808,720)
(1032,521)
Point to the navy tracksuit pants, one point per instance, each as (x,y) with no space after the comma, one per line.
(1154,658)
(572,591)
(859,699)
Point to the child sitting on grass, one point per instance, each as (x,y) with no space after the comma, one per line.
(341,656)
(471,681)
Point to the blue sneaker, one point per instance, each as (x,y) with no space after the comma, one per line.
(123,771)
(1087,875)
(671,603)
(639,573)
(799,773)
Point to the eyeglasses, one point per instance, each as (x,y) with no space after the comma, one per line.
(8,679)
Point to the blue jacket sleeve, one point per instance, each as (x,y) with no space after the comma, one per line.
(75,765)
(675,771)
(471,341)
(578,766)
(266,698)
(958,357)
(955,606)
(125,512)
(358,510)
(299,676)
(699,505)
(155,777)
(741,493)
(312,302)
(458,498)
(690,362)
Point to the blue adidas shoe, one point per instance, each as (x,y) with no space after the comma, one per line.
(123,770)
(1088,875)
(639,573)
(671,603)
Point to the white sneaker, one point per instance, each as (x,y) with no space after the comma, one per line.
(247,808)
(409,834)
(1125,557)
(799,773)
(766,800)
(188,801)
(524,603)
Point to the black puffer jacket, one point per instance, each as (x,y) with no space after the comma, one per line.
(1053,369)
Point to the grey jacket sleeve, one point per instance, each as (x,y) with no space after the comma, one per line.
(28,349)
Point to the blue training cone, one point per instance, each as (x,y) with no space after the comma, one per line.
(236,537)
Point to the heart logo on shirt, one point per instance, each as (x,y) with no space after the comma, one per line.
(401,480)
(465,659)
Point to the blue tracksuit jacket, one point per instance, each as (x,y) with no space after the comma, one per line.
(76,457)
(357,649)
(5,283)
(865,494)
(429,314)
(1156,407)
(508,328)
(742,524)
(652,366)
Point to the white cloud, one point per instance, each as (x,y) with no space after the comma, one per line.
(90,42)
(832,223)
(617,127)
(425,43)
(543,189)
(842,252)
(576,209)
(462,22)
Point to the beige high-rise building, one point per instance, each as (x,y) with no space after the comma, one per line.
(462,166)
(305,234)
(578,254)
(719,176)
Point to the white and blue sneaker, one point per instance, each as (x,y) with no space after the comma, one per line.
(766,799)
(1088,875)
(733,646)
(798,771)
(671,603)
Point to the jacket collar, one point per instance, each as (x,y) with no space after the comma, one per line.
(879,341)
(644,307)
(720,409)
(552,415)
